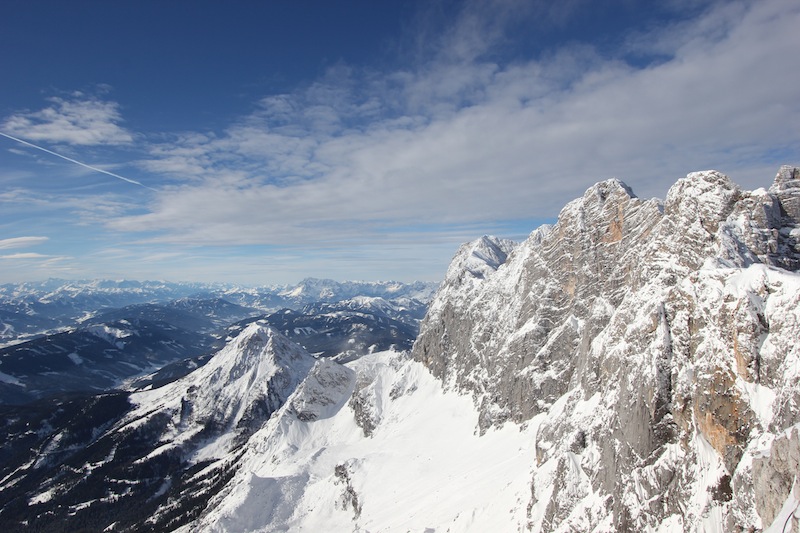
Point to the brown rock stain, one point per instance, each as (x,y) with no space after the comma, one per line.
(614,231)
(715,433)
(721,416)
(742,369)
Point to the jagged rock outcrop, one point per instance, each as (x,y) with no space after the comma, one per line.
(653,344)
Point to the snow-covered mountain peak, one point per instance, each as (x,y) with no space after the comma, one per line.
(259,344)
(598,198)
(704,197)
(480,258)
(236,391)
(608,188)
(474,263)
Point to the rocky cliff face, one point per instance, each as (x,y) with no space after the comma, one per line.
(653,344)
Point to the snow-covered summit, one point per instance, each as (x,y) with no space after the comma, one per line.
(474,262)
(236,391)
(485,255)
(479,259)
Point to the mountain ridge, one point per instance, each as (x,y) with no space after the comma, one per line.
(649,306)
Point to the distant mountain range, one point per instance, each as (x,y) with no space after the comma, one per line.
(33,308)
(68,337)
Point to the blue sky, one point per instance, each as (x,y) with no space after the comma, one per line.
(263,142)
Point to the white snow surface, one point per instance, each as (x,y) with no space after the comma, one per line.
(110,334)
(423,469)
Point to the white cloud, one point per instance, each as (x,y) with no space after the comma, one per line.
(357,155)
(91,209)
(78,120)
(21,242)
(27,266)
(24,255)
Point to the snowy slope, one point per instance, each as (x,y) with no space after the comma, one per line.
(422,466)
(230,396)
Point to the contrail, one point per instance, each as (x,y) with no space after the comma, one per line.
(90,167)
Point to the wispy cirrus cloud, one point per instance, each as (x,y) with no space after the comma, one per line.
(79,119)
(85,210)
(27,259)
(29,265)
(24,255)
(22,242)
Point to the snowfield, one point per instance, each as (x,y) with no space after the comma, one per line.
(423,468)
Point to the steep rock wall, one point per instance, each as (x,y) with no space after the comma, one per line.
(654,345)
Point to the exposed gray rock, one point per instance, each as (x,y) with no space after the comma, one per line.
(349,497)
(775,475)
(655,345)
(361,402)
